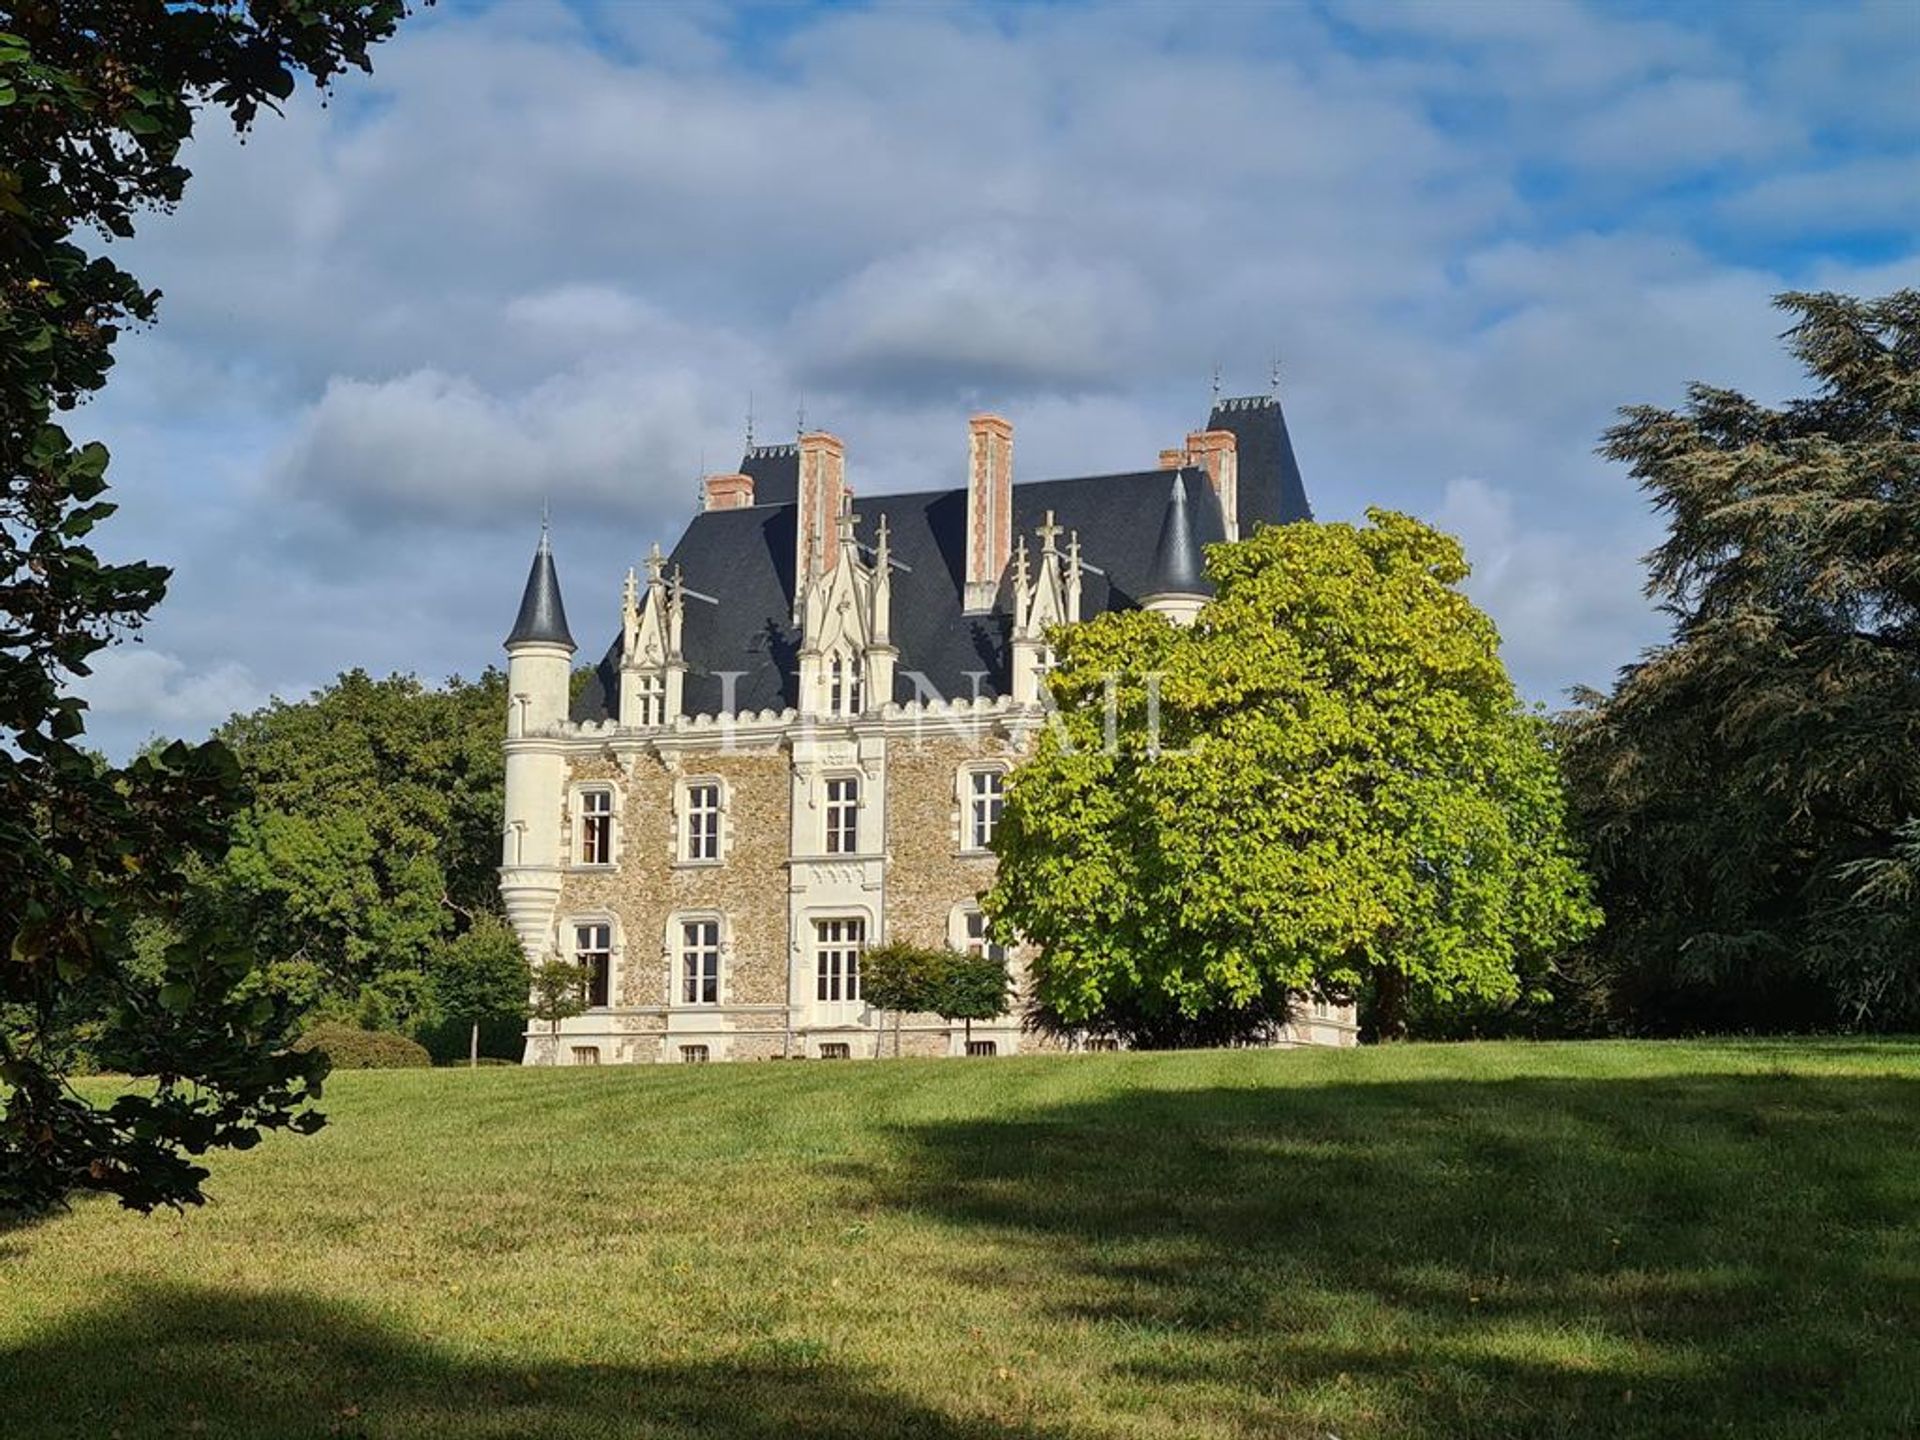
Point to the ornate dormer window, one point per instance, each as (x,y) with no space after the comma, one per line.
(652,693)
(846,686)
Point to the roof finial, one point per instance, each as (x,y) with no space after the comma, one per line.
(545,525)
(1216,382)
(800,418)
(1047,531)
(749,419)
(1273,382)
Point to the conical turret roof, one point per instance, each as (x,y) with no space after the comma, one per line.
(542,618)
(1179,566)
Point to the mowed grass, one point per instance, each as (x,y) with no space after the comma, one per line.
(1486,1240)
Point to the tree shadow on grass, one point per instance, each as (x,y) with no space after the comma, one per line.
(1681,1257)
(178,1361)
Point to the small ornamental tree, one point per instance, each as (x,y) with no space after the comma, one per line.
(481,976)
(1325,784)
(901,978)
(970,988)
(559,993)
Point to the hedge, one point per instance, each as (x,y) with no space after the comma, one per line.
(351,1048)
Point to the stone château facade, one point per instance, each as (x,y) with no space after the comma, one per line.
(796,744)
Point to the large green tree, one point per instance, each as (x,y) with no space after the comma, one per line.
(1752,787)
(372,837)
(1324,785)
(96,99)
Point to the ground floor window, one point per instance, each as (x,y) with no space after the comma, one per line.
(700,962)
(836,958)
(977,940)
(982,1047)
(593,953)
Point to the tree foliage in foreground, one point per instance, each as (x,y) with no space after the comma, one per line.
(96,99)
(1324,785)
(1752,787)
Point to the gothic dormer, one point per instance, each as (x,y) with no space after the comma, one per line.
(1044,595)
(846,653)
(652,666)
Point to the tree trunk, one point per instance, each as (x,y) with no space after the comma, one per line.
(1389,1003)
(896,1034)
(473,1047)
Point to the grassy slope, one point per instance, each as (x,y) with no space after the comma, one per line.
(1613,1240)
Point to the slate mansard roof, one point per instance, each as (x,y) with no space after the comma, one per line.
(743,559)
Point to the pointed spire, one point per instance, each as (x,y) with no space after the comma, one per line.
(1178,566)
(542,619)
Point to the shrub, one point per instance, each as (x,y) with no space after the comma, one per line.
(351,1048)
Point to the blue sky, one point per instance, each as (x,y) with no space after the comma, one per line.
(548,251)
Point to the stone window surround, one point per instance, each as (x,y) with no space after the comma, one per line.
(673,949)
(814,919)
(576,823)
(569,927)
(828,778)
(682,812)
(963,803)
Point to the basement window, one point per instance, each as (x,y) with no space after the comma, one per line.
(586,1054)
(836,1050)
(982,1047)
(694,1055)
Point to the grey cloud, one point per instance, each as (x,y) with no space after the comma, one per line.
(979,310)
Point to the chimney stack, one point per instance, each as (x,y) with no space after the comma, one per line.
(1217,452)
(728,492)
(822,496)
(989,508)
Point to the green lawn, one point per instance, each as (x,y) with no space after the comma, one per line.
(1488,1240)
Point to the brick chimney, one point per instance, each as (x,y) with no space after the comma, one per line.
(1173,459)
(1217,452)
(989,508)
(822,495)
(728,492)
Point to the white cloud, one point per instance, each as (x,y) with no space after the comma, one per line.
(547,254)
(133,683)
(1677,125)
(1568,605)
